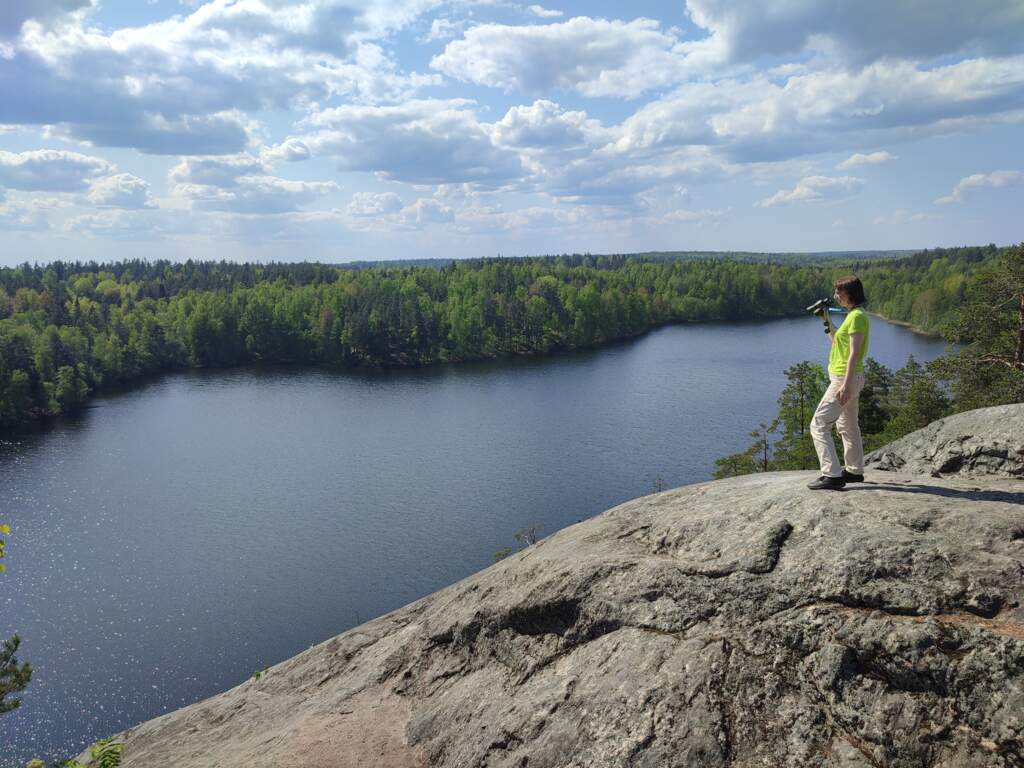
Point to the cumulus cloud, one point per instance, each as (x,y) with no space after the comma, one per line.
(813,188)
(593,56)
(181,86)
(157,135)
(122,190)
(607,177)
(291,150)
(858,158)
(857,33)
(223,171)
(325,26)
(18,216)
(544,13)
(48,169)
(757,119)
(542,125)
(478,220)
(374,204)
(119,224)
(995,179)
(426,210)
(421,142)
(193,85)
(255,194)
(14,13)
(202,226)
(444,29)
(309,227)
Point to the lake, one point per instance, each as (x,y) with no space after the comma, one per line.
(173,539)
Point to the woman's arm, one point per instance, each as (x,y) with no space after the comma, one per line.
(825,318)
(856,344)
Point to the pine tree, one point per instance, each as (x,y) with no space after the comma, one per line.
(873,397)
(14,678)
(990,369)
(807,383)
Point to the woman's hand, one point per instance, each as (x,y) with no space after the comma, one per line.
(844,393)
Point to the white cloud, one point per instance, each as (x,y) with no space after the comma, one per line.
(48,169)
(542,125)
(593,56)
(326,26)
(255,194)
(702,217)
(374,204)
(218,171)
(158,135)
(995,179)
(119,224)
(757,119)
(15,13)
(814,188)
(202,227)
(426,210)
(183,86)
(444,29)
(856,33)
(307,227)
(608,177)
(290,150)
(478,220)
(123,190)
(858,158)
(420,142)
(330,81)
(545,13)
(18,216)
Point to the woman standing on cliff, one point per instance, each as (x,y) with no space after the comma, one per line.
(839,404)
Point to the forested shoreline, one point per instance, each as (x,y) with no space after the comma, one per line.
(68,330)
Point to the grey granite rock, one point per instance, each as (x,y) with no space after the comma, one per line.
(745,622)
(988,441)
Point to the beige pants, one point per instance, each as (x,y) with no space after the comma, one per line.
(830,412)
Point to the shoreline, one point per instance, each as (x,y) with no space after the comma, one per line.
(40,422)
(910,326)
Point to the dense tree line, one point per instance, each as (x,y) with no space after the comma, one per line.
(983,312)
(70,329)
(926,288)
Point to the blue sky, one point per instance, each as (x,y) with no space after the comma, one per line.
(337,130)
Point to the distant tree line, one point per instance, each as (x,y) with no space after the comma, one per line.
(68,330)
(981,308)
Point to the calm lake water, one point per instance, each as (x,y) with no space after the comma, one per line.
(173,539)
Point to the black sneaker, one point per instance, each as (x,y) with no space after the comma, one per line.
(826,483)
(852,478)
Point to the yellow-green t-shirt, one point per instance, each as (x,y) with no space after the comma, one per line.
(856,322)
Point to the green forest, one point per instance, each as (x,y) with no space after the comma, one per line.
(69,330)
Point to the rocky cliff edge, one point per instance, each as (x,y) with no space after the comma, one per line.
(742,622)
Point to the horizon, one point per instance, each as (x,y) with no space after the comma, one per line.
(831,254)
(341,131)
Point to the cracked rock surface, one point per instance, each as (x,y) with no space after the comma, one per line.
(744,622)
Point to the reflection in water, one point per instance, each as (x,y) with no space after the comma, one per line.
(172,539)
